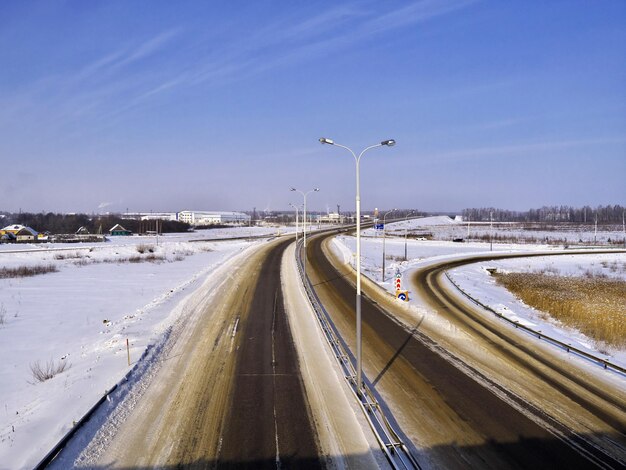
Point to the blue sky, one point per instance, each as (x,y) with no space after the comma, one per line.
(218,105)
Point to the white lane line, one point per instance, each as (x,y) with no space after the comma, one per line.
(232,336)
(274,380)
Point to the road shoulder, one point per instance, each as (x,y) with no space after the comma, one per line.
(343,432)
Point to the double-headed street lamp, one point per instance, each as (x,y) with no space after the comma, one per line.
(304,195)
(384,230)
(387,143)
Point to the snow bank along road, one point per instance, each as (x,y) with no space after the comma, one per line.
(231,392)
(467,393)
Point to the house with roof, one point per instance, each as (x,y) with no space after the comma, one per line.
(21,233)
(118,230)
(7,238)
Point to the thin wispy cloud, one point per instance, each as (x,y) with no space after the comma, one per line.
(286,42)
(281,44)
(414,13)
(96,85)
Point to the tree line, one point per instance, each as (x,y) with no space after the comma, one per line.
(70,223)
(610,214)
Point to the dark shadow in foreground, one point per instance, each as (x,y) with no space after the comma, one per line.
(523,454)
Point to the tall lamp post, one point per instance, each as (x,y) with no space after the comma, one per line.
(296,208)
(359,363)
(304,195)
(406,218)
(384,230)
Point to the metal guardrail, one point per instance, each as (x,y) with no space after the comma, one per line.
(566,346)
(390,442)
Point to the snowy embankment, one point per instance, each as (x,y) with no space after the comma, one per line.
(476,280)
(80,317)
(446,229)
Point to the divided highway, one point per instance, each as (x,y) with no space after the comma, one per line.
(465,394)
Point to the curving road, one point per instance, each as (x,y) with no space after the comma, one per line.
(467,394)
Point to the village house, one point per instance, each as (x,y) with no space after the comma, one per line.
(117,230)
(18,233)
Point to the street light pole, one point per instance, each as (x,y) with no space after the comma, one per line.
(406,218)
(296,208)
(388,143)
(384,230)
(304,195)
(490,231)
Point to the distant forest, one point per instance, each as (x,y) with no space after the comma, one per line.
(70,223)
(579,215)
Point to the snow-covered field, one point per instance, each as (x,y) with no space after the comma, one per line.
(81,316)
(475,279)
(446,229)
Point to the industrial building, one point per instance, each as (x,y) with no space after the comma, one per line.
(212,218)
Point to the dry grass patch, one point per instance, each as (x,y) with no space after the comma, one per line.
(143,248)
(26,271)
(594,305)
(42,372)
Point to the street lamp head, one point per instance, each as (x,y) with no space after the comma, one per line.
(292,189)
(316,189)
(324,140)
(388,143)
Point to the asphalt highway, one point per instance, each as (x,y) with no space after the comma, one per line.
(456,413)
(267,425)
(230,393)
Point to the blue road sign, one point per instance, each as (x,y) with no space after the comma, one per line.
(379,226)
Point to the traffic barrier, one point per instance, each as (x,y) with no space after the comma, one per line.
(390,442)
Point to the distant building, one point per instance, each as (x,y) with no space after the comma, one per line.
(332,218)
(212,218)
(150,215)
(118,230)
(19,233)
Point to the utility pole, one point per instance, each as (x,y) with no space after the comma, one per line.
(490,230)
(595,232)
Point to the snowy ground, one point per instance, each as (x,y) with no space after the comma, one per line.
(102,295)
(446,229)
(474,278)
